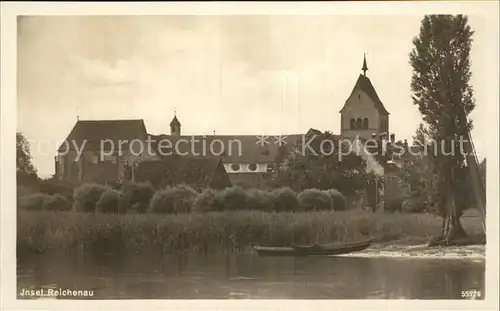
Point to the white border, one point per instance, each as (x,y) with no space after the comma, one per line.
(9,11)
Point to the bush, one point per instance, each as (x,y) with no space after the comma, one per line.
(244,184)
(26,179)
(33,202)
(235,199)
(314,200)
(394,205)
(177,199)
(285,200)
(339,201)
(54,186)
(161,202)
(23,191)
(260,200)
(413,205)
(110,202)
(56,203)
(85,197)
(357,201)
(208,201)
(137,196)
(184,197)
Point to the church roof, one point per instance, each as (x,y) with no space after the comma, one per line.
(93,132)
(237,148)
(364,84)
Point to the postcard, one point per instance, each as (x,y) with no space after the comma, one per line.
(250,156)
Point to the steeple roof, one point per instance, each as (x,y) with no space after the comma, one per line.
(175,121)
(364,84)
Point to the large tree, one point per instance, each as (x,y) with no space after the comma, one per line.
(324,169)
(25,170)
(440,84)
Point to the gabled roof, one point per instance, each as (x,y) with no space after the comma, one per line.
(237,148)
(96,131)
(364,84)
(174,170)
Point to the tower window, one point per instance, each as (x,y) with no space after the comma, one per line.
(353,124)
(365,123)
(359,123)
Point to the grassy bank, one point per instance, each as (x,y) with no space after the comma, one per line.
(211,232)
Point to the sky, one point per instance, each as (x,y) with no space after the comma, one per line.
(228,74)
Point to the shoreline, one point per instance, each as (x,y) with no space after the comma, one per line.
(422,251)
(396,250)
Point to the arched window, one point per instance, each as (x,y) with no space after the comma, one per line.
(353,124)
(359,123)
(365,123)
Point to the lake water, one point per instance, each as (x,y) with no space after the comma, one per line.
(237,276)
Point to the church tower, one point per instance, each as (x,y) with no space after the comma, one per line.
(175,126)
(364,113)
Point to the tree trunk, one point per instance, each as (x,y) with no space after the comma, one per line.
(452,229)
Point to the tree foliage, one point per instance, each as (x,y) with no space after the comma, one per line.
(25,170)
(440,84)
(323,171)
(421,176)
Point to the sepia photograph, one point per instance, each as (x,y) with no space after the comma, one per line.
(251,156)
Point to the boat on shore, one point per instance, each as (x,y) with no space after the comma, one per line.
(312,250)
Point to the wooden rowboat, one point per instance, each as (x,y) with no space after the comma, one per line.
(312,250)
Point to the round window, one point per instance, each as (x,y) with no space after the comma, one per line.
(252,167)
(235,167)
(270,167)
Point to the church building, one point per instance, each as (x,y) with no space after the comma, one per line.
(242,158)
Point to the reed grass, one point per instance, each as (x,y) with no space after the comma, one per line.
(213,231)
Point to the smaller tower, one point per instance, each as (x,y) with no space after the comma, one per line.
(175,126)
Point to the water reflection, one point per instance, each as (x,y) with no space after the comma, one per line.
(236,276)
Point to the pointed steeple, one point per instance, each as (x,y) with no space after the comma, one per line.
(175,126)
(365,68)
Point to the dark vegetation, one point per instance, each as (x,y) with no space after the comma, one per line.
(142,198)
(98,233)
